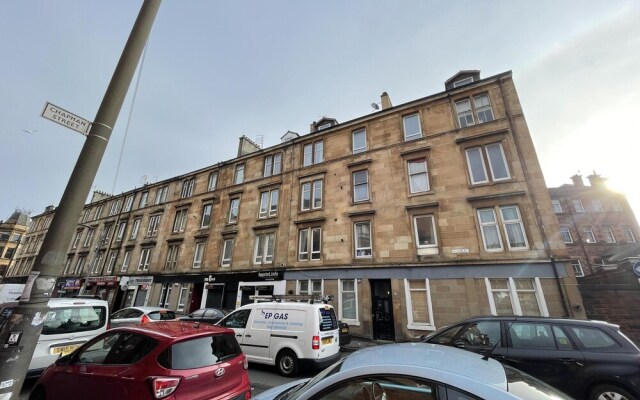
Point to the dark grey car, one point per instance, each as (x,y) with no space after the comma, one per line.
(585,359)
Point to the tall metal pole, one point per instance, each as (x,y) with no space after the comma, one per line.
(19,336)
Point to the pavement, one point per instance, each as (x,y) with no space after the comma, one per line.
(358,343)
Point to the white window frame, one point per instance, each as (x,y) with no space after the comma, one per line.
(97,261)
(272,165)
(76,239)
(607,232)
(238,176)
(154,223)
(312,153)
(565,233)
(126,259)
(309,283)
(412,135)
(309,254)
(184,294)
(135,229)
(161,194)
(356,240)
(616,206)
(85,217)
(463,81)
(165,294)
(67,266)
(433,232)
(268,205)
(207,213)
(187,188)
(411,324)
(79,265)
(113,256)
(486,160)
(628,234)
(213,181)
(145,259)
(517,221)
(588,235)
(264,240)
(578,272)
(234,204)
(423,162)
(557,206)
(180,220)
(464,112)
(488,225)
(98,213)
(483,108)
(314,189)
(356,321)
(89,238)
(173,250)
(577,205)
(359,133)
(198,255)
(227,253)
(122,228)
(513,296)
(128,203)
(144,197)
(115,207)
(361,184)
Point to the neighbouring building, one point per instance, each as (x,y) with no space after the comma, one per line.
(11,233)
(596,223)
(412,217)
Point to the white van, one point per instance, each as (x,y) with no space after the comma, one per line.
(287,334)
(69,323)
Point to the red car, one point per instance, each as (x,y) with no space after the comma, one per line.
(165,360)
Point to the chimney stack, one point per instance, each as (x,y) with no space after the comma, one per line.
(596,180)
(385,101)
(577,180)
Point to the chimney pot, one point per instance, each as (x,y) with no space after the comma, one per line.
(385,101)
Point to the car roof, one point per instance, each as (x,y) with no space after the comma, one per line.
(432,357)
(175,330)
(146,309)
(557,320)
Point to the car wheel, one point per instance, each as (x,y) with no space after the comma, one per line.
(38,394)
(609,392)
(287,363)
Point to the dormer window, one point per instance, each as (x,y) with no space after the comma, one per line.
(324,123)
(463,82)
(324,126)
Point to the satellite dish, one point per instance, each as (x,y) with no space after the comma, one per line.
(375,106)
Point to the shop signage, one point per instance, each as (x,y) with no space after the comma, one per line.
(70,284)
(103,280)
(140,280)
(270,275)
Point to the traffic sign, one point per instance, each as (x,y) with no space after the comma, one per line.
(65,118)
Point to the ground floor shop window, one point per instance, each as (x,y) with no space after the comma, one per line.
(419,307)
(519,296)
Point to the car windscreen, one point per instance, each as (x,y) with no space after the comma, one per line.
(200,352)
(527,387)
(163,315)
(74,319)
(328,320)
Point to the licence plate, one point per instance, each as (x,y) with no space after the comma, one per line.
(63,350)
(327,340)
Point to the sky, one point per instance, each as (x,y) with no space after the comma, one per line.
(217,70)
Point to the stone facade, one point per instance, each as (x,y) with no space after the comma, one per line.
(11,233)
(413,217)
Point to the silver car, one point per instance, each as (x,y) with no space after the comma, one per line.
(415,371)
(134,315)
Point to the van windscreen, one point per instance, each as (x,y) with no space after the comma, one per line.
(74,319)
(328,320)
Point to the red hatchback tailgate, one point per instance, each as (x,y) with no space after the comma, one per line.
(209,367)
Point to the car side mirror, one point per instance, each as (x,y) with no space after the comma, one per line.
(459,343)
(64,360)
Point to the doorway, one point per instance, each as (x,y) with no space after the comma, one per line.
(382,309)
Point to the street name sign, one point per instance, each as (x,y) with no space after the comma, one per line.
(65,118)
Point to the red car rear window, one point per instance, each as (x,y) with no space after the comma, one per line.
(200,352)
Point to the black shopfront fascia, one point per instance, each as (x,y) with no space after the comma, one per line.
(222,277)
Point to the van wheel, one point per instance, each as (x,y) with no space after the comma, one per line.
(38,394)
(287,363)
(609,392)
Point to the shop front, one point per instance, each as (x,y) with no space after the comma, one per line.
(106,287)
(68,287)
(135,291)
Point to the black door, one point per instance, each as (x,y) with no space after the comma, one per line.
(382,310)
(215,294)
